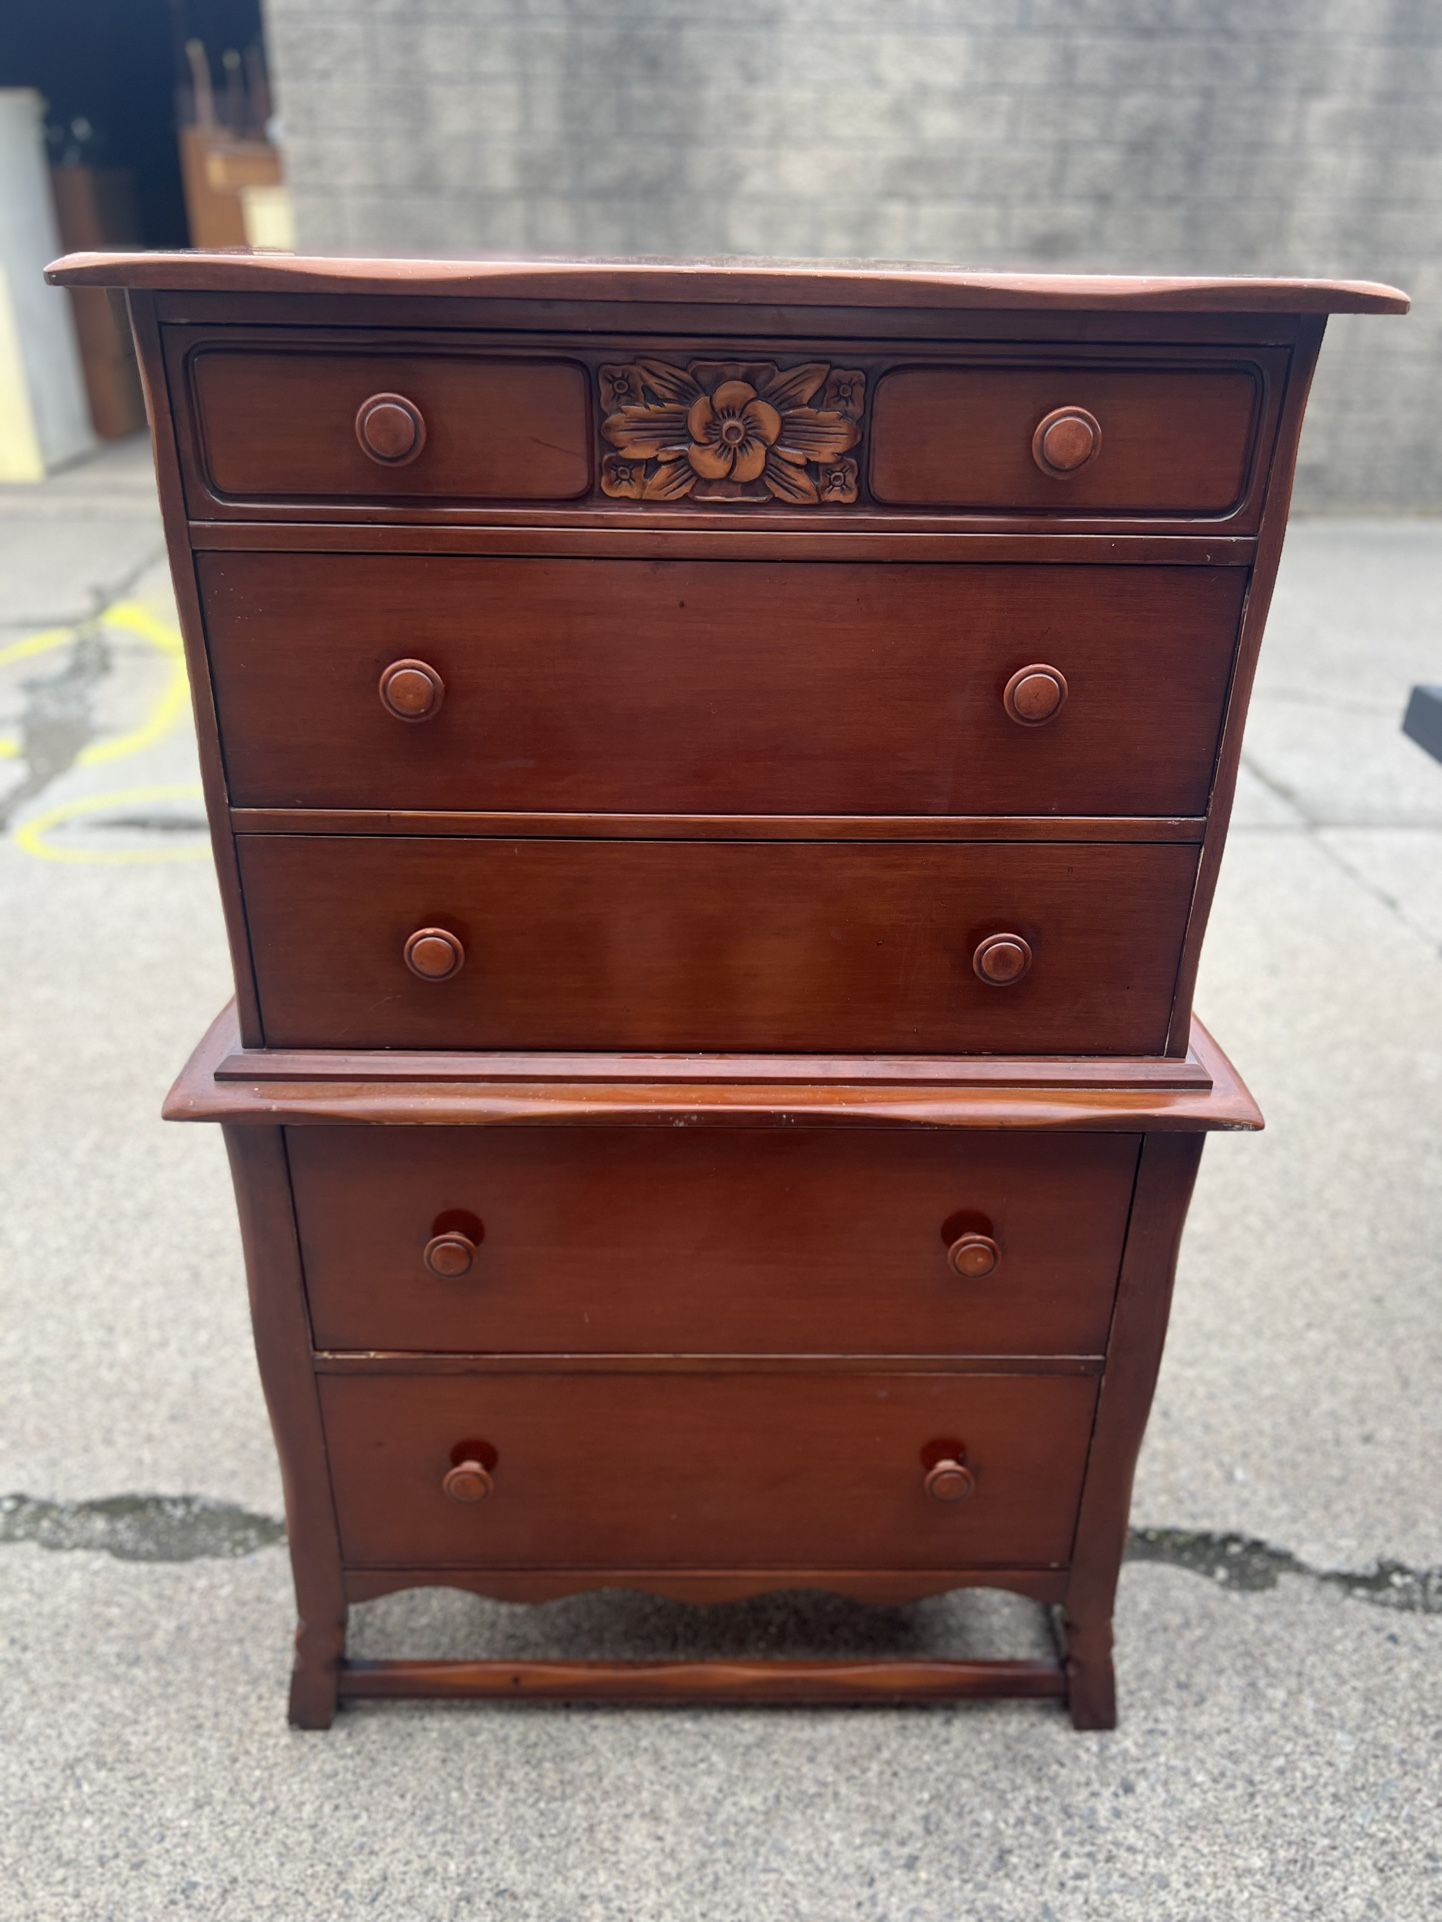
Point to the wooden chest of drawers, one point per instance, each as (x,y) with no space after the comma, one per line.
(717,778)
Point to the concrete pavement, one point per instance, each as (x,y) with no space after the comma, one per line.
(1280,1648)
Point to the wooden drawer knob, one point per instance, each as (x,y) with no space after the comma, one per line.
(470,1481)
(950,1481)
(435,954)
(412,690)
(973,1256)
(450,1255)
(390,429)
(1002,960)
(1035,695)
(1065,440)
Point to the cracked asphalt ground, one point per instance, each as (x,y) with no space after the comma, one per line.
(1280,1647)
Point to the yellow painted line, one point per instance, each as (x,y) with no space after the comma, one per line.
(31,835)
(168,707)
(27,650)
(35,644)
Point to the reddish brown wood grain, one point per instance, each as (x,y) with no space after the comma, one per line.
(714,945)
(723,283)
(282,1350)
(889,1587)
(283,423)
(717,686)
(1170,440)
(221,1082)
(1165,1179)
(802,1468)
(726,960)
(648,1241)
(775,1682)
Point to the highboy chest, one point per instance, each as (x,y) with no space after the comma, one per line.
(717,776)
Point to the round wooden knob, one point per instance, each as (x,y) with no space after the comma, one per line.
(1065,440)
(950,1481)
(390,429)
(411,691)
(435,954)
(470,1481)
(1035,695)
(449,1255)
(973,1256)
(1002,959)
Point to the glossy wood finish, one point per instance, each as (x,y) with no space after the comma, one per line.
(411,690)
(713,945)
(469,1481)
(1164,1189)
(739,1241)
(223,1082)
(282,1350)
(817,459)
(452,1253)
(1169,440)
(732,764)
(1002,960)
(433,954)
(801,1468)
(1065,440)
(296,422)
(686,534)
(725,283)
(772,1683)
(974,1256)
(719,686)
(1259,598)
(406,822)
(1035,694)
(391,429)
(891,1587)
(949,1480)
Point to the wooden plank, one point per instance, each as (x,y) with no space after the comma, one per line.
(610,533)
(951,1071)
(199,1095)
(1187,829)
(372,1361)
(809,285)
(887,1588)
(773,1682)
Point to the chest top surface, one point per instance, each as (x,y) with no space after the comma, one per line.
(806,283)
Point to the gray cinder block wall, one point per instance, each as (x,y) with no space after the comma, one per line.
(1166,136)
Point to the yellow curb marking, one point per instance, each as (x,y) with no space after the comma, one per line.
(169,706)
(30,835)
(165,711)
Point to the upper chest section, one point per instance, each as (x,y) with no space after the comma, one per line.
(324,408)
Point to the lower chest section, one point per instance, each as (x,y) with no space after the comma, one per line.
(625,1348)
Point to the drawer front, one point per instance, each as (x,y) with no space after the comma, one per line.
(682,1470)
(396,425)
(729,946)
(1158,440)
(717,687)
(710,1241)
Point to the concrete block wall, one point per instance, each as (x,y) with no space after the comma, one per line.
(1165,136)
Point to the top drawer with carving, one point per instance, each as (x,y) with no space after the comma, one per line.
(312,424)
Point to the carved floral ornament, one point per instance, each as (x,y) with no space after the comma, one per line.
(731,431)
